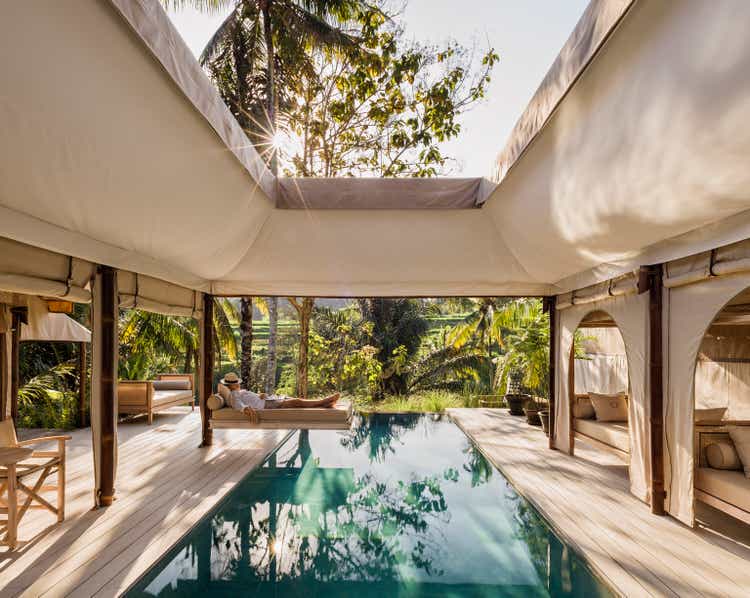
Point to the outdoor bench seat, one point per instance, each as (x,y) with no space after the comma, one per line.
(730,486)
(326,418)
(136,397)
(614,434)
(725,489)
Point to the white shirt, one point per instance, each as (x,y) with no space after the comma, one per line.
(246,398)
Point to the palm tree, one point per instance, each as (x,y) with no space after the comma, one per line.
(478,327)
(247,307)
(273,327)
(226,319)
(524,329)
(146,337)
(259,50)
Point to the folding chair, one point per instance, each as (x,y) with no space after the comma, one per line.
(24,472)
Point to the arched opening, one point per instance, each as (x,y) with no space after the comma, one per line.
(722,411)
(599,386)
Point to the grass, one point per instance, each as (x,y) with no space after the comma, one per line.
(435,401)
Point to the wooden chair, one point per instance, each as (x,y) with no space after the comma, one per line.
(17,474)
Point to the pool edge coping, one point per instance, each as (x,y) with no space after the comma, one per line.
(595,569)
(217,504)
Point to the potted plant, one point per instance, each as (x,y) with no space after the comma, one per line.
(531,410)
(544,417)
(514,397)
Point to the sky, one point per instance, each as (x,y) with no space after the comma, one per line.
(528,34)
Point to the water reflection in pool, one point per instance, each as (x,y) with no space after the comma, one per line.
(402,505)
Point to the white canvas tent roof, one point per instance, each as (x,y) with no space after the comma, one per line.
(54,327)
(116,149)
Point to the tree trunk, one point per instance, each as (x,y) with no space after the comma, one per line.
(270,84)
(304,312)
(188,360)
(246,340)
(273,319)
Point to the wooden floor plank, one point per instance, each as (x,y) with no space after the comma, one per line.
(165,484)
(587,500)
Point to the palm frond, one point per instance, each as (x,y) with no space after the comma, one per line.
(223,330)
(209,6)
(314,29)
(54,380)
(463,332)
(224,33)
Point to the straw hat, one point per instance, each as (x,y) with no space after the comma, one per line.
(230,378)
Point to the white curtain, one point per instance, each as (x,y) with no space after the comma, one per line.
(723,384)
(607,374)
(630,313)
(690,311)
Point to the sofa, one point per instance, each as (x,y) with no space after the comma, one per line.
(146,397)
(727,490)
(612,436)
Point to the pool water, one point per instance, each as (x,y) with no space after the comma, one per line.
(401,505)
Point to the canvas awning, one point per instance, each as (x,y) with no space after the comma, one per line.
(633,152)
(382,194)
(53,327)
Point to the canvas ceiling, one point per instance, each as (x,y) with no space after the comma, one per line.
(115,148)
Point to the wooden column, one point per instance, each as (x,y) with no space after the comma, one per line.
(106,329)
(19,316)
(549,306)
(651,277)
(4,382)
(82,371)
(207,367)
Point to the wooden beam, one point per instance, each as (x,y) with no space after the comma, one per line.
(550,307)
(82,375)
(656,356)
(107,329)
(19,316)
(207,368)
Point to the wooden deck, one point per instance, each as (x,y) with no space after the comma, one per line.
(586,500)
(165,484)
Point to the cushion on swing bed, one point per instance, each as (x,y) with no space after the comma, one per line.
(341,414)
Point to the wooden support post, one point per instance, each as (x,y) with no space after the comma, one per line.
(571,396)
(82,375)
(550,307)
(19,316)
(4,382)
(653,274)
(207,368)
(106,325)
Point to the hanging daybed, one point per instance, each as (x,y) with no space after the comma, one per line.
(223,416)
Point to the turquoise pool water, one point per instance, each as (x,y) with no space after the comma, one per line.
(402,505)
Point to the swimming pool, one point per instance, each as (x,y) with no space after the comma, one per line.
(401,505)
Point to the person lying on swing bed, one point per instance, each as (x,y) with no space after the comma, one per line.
(248,402)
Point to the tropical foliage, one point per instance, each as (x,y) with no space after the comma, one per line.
(49,399)
(384,111)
